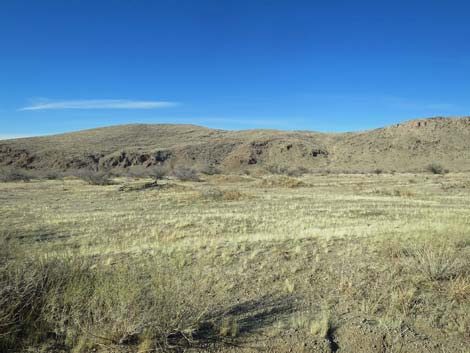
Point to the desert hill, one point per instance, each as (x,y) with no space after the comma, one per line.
(407,146)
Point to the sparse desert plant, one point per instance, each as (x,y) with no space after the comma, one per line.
(283,170)
(14,174)
(281,182)
(289,286)
(378,171)
(19,297)
(156,172)
(140,260)
(299,321)
(94,177)
(52,175)
(214,193)
(233,195)
(276,169)
(315,325)
(434,261)
(436,169)
(459,288)
(210,169)
(228,327)
(84,305)
(186,174)
(321,326)
(402,299)
(403,193)
(296,172)
(137,172)
(399,192)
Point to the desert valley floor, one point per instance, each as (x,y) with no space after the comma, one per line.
(238,263)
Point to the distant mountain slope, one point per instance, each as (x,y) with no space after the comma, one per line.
(408,146)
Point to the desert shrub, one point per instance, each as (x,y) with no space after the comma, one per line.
(14,174)
(315,325)
(281,182)
(403,193)
(214,193)
(52,175)
(94,178)
(234,178)
(436,169)
(233,195)
(378,171)
(322,172)
(186,174)
(275,169)
(117,172)
(281,170)
(296,172)
(434,261)
(459,288)
(136,172)
(20,295)
(209,169)
(156,172)
(78,304)
(399,192)
(211,193)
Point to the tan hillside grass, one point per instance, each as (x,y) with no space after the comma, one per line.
(434,146)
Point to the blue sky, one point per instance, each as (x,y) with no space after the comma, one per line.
(316,65)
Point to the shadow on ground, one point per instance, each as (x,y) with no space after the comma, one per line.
(239,321)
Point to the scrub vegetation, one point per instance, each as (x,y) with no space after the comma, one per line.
(235,263)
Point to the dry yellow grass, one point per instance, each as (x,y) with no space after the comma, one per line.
(329,264)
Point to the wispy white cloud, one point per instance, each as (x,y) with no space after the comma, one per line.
(13,136)
(46,104)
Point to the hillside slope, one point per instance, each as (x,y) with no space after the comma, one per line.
(408,146)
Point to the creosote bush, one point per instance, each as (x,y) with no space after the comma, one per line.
(156,172)
(52,175)
(214,193)
(14,174)
(282,170)
(94,178)
(9,174)
(436,169)
(185,174)
(281,182)
(210,170)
